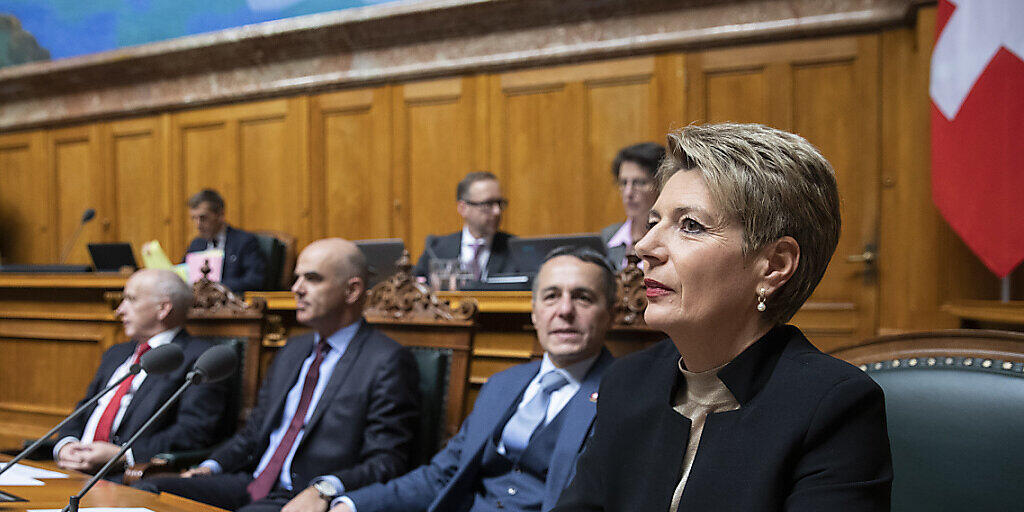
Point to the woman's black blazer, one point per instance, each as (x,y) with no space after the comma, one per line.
(809,435)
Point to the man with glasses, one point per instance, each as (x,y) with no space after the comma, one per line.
(480,248)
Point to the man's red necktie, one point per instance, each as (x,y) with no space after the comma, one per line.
(107,419)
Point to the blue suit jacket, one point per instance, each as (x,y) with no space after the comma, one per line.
(245,268)
(448,483)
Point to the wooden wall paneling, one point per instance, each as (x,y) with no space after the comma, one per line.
(619,110)
(826,90)
(350,162)
(669,112)
(923,263)
(33,398)
(273,176)
(204,154)
(27,230)
(555,131)
(140,182)
(253,155)
(436,144)
(81,175)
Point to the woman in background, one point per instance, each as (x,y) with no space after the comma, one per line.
(634,168)
(736,411)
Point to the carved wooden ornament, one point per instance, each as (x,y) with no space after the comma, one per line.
(632,298)
(210,299)
(401,297)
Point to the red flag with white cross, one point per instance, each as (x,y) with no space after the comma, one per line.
(977,93)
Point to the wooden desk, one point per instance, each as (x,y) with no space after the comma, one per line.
(55,494)
(990,314)
(53,329)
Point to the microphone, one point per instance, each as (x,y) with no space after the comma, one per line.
(214,365)
(162,359)
(87,216)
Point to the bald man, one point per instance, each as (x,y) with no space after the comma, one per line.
(153,311)
(336,411)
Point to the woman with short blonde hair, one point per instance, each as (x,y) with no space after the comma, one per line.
(737,410)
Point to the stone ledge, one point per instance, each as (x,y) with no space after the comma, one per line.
(402,42)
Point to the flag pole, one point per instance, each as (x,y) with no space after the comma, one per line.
(1004,289)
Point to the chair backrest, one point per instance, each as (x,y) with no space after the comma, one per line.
(434,365)
(230,421)
(955,411)
(278,248)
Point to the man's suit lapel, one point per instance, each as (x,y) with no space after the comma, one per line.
(291,370)
(341,372)
(579,413)
(499,253)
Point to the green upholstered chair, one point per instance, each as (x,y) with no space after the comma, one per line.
(434,365)
(278,249)
(955,412)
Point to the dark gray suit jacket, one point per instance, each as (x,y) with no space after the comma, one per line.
(362,427)
(615,254)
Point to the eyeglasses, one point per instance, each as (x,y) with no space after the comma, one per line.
(638,184)
(488,205)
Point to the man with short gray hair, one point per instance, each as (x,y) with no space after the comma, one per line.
(153,311)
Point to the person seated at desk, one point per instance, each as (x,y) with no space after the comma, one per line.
(479,247)
(518,446)
(634,168)
(737,410)
(336,411)
(153,312)
(244,267)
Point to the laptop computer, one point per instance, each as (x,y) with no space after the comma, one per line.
(529,252)
(112,257)
(381,256)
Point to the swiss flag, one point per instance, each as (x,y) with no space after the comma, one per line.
(977,92)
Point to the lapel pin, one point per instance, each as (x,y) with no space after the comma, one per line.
(593,397)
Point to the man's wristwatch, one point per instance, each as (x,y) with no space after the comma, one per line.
(326,489)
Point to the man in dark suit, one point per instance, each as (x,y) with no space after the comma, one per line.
(244,268)
(153,311)
(518,448)
(336,411)
(480,248)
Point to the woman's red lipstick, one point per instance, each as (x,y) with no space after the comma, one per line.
(655,289)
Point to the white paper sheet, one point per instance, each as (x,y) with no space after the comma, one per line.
(32,471)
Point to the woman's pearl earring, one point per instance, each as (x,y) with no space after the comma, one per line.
(760,300)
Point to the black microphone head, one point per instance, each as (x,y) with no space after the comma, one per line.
(217,363)
(87,215)
(162,359)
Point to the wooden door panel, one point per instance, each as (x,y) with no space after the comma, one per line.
(617,114)
(80,183)
(435,148)
(141,186)
(556,131)
(26,207)
(825,90)
(252,155)
(272,178)
(350,140)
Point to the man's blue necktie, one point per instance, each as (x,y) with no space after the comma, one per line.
(520,428)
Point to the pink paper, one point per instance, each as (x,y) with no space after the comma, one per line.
(195,261)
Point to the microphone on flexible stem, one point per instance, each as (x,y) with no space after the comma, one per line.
(87,215)
(162,359)
(216,364)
